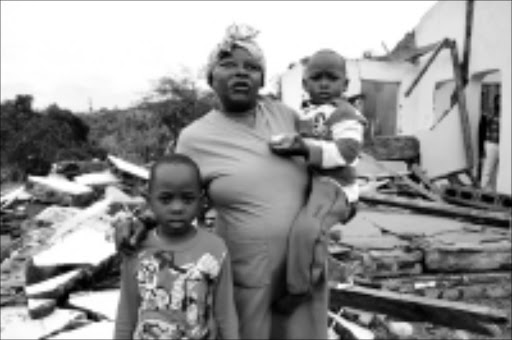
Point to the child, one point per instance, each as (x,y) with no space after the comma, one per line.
(330,128)
(330,136)
(179,284)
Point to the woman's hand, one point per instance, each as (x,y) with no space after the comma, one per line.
(129,232)
(288,145)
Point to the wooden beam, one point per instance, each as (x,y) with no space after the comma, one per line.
(419,309)
(467,41)
(416,80)
(463,113)
(500,219)
(418,188)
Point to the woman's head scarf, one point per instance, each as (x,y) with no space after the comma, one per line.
(242,36)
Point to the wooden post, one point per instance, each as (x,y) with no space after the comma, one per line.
(467,41)
(461,99)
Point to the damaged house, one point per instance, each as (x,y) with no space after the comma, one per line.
(435,84)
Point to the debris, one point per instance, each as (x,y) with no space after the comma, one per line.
(97,179)
(100,303)
(93,331)
(129,168)
(40,308)
(469,257)
(494,218)
(419,309)
(75,249)
(355,330)
(55,287)
(59,190)
(17,324)
(403,330)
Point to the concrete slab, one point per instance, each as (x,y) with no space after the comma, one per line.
(94,331)
(51,288)
(75,248)
(56,214)
(17,324)
(101,302)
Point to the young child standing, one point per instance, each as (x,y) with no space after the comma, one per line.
(330,137)
(179,284)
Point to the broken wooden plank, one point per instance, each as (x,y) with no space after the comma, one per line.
(495,218)
(463,112)
(418,188)
(418,309)
(442,44)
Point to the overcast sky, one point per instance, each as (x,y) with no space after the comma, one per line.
(66,52)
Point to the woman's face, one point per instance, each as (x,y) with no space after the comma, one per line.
(236,79)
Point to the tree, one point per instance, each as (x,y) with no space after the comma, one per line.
(31,141)
(79,129)
(179,101)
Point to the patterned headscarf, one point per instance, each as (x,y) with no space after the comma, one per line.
(237,36)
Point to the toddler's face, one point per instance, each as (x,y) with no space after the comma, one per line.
(324,85)
(175,198)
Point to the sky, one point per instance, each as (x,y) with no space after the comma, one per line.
(110,54)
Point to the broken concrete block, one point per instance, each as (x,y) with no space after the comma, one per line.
(95,216)
(468,258)
(55,214)
(129,168)
(358,332)
(451,294)
(59,190)
(102,303)
(118,196)
(17,324)
(403,330)
(97,179)
(18,194)
(55,287)
(40,308)
(85,246)
(94,331)
(394,262)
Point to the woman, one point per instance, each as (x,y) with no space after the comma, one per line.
(256,193)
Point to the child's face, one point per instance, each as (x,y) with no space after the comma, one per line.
(324,85)
(175,198)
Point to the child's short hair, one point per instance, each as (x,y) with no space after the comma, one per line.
(323,58)
(174,158)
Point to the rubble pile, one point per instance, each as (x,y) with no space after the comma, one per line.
(399,271)
(60,270)
(422,268)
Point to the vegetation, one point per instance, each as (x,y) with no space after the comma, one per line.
(31,140)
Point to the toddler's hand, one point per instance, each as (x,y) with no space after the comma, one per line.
(288,145)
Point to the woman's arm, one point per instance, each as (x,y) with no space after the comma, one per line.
(224,310)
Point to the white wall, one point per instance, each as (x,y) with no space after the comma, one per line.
(490,51)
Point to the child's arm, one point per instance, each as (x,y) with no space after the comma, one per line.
(129,300)
(224,310)
(347,130)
